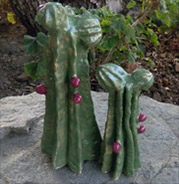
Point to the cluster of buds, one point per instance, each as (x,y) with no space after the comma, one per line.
(77,98)
(75,82)
(117,145)
(142,128)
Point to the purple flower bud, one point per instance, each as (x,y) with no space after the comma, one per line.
(116,147)
(141,129)
(142,117)
(41,89)
(75,82)
(77,98)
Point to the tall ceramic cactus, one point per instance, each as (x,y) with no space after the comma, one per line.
(70,133)
(120,148)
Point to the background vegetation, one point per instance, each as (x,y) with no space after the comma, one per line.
(143,33)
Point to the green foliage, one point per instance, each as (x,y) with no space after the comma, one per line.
(168,15)
(35,70)
(122,41)
(35,46)
(152,36)
(124,37)
(131,4)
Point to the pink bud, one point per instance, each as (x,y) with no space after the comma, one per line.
(41,89)
(142,117)
(116,147)
(75,82)
(141,129)
(77,98)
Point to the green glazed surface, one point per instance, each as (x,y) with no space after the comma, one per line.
(70,133)
(122,121)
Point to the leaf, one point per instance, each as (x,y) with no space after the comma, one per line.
(141,50)
(118,24)
(106,12)
(163,17)
(41,39)
(110,43)
(130,33)
(139,29)
(28,39)
(11,18)
(152,37)
(35,45)
(35,70)
(159,14)
(174,9)
(120,57)
(132,57)
(151,62)
(105,24)
(131,4)
(123,48)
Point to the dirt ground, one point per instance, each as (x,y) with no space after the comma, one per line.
(13,80)
(166,69)
(13,56)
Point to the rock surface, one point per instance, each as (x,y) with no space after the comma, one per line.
(18,114)
(21,160)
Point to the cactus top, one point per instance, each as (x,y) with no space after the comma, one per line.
(113,78)
(54,17)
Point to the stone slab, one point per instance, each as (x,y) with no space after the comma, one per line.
(22,162)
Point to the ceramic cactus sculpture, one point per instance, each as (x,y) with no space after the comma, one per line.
(120,148)
(70,133)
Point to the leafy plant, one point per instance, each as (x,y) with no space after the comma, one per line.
(124,36)
(35,46)
(168,15)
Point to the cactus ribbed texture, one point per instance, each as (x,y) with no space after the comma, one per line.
(122,122)
(71,134)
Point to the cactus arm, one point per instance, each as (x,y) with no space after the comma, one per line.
(111,77)
(74,142)
(55,143)
(87,134)
(119,135)
(60,58)
(142,80)
(74,128)
(109,136)
(49,129)
(134,128)
(83,130)
(129,144)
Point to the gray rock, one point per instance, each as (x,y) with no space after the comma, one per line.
(22,162)
(17,114)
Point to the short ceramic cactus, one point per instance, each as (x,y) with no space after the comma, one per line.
(122,121)
(70,133)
